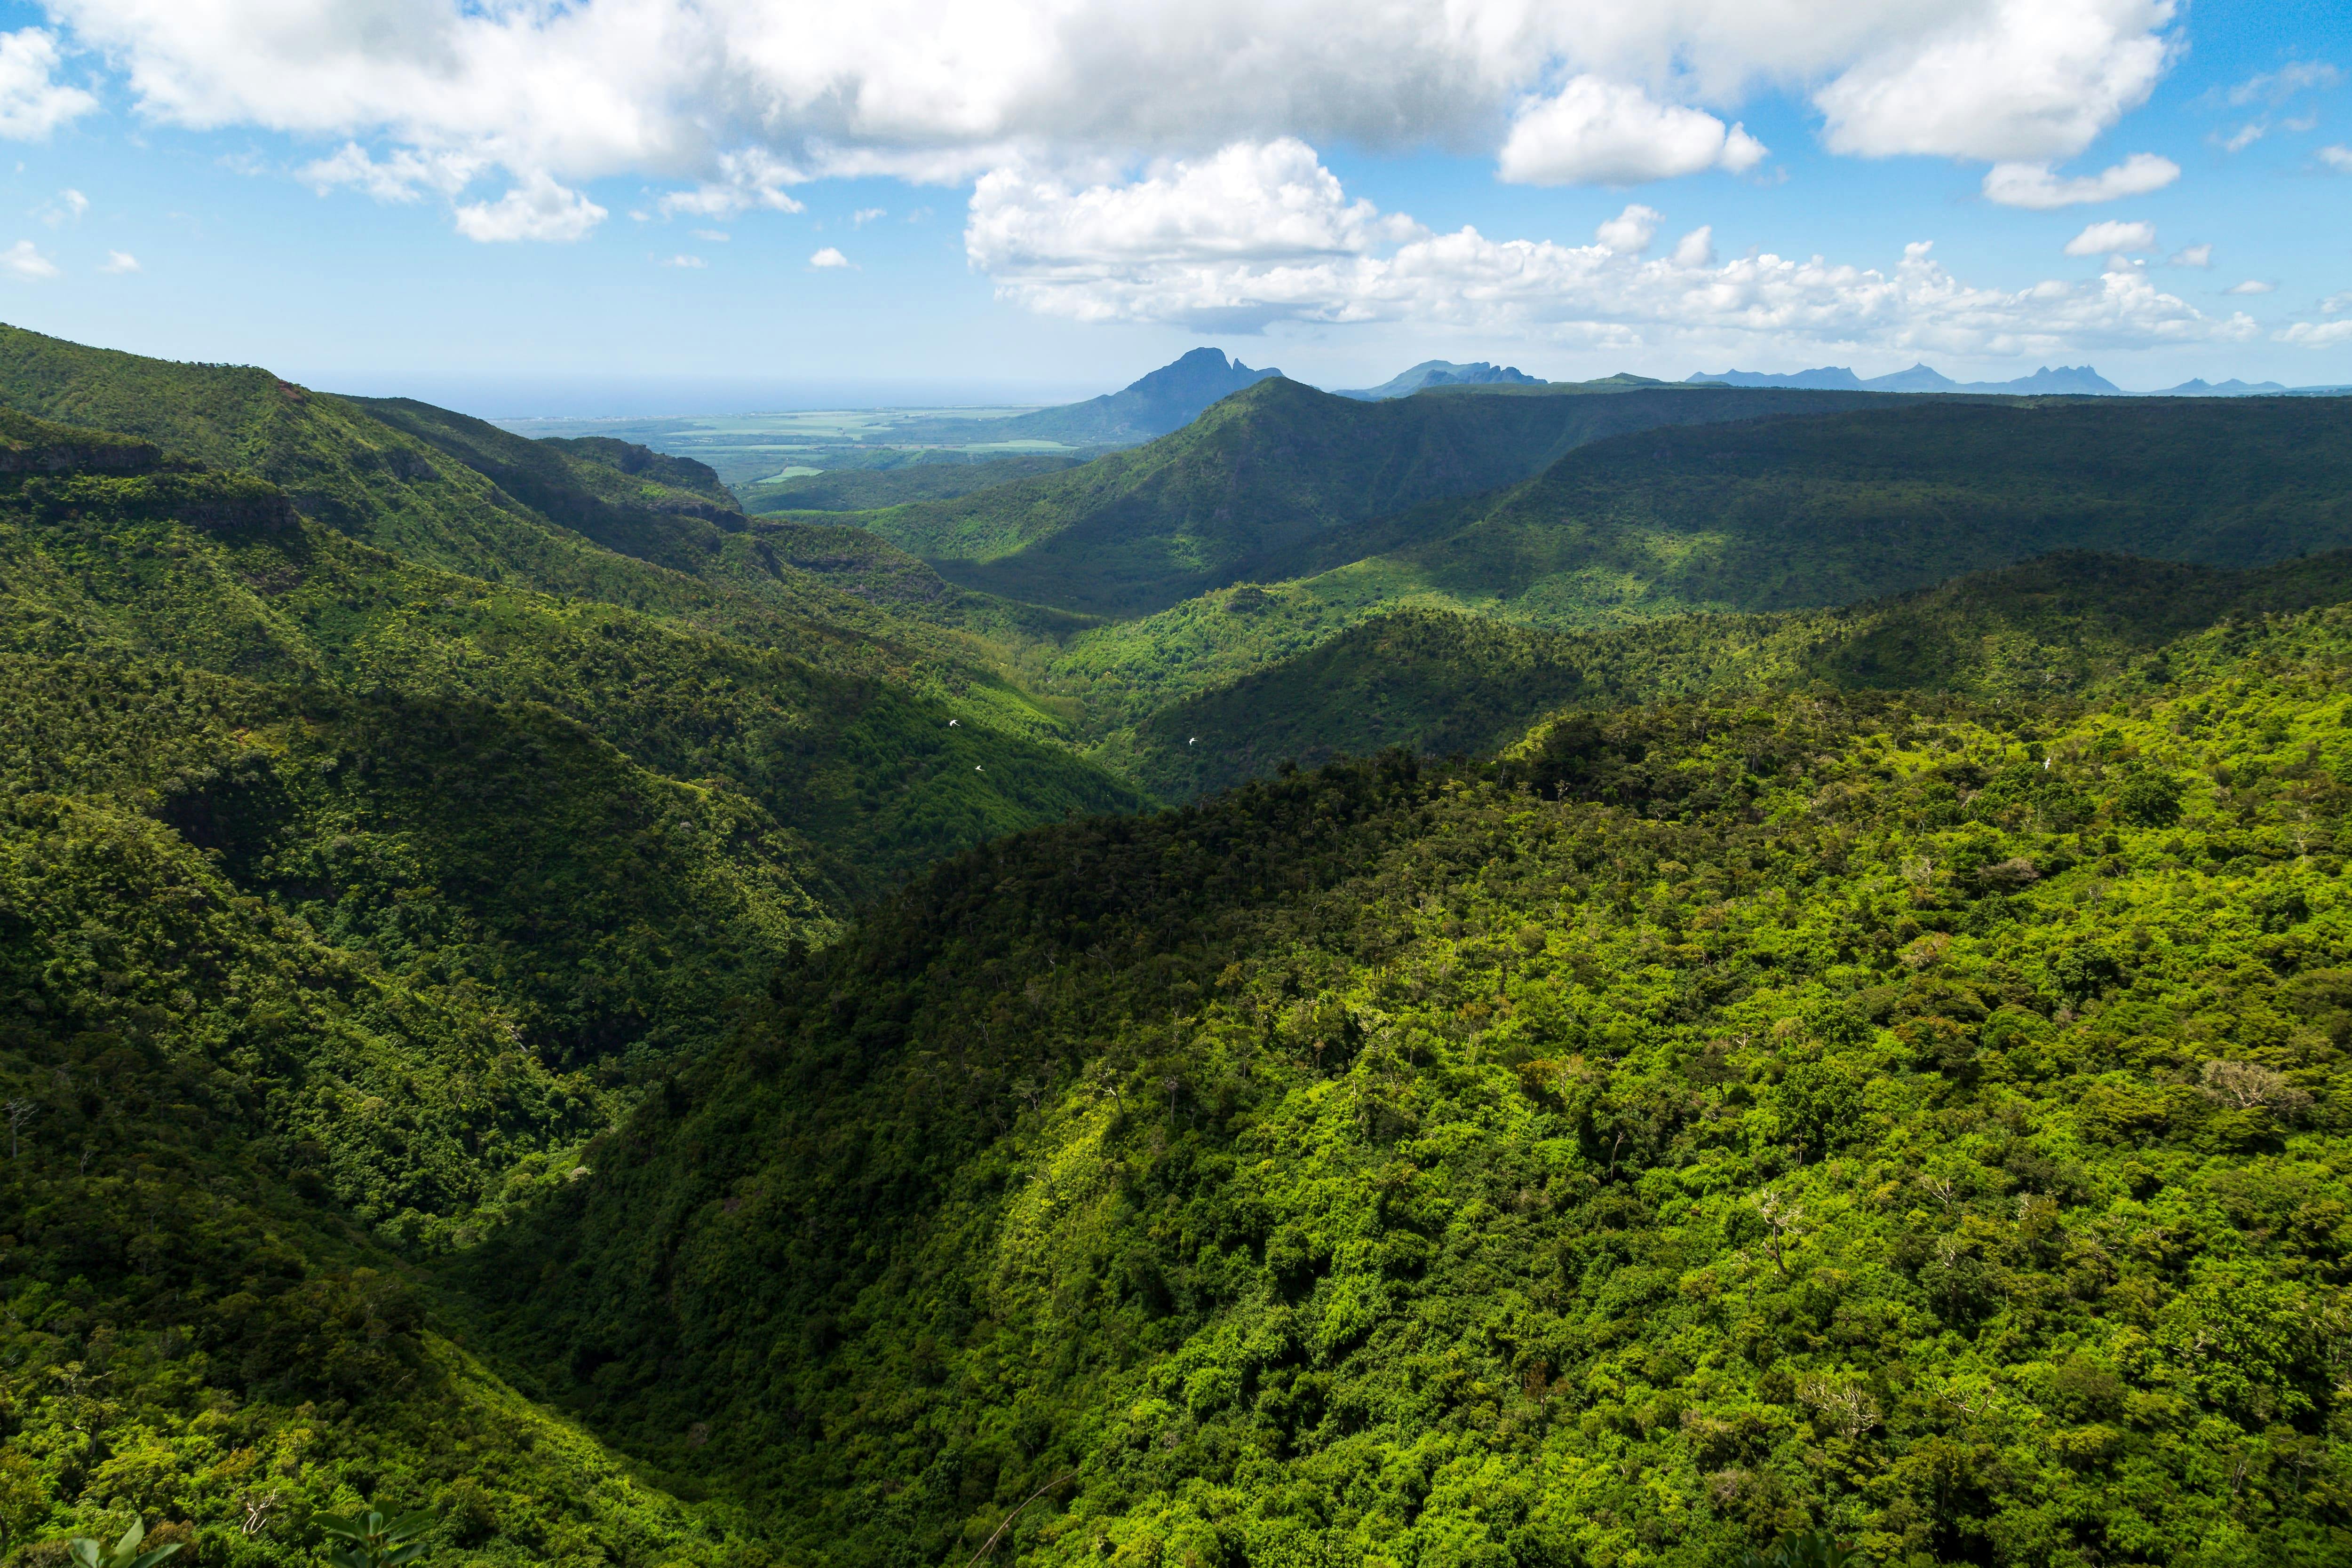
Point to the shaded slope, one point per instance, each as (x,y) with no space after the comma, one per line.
(865,489)
(1829,510)
(221,573)
(1441,683)
(1737,1114)
(430,487)
(1166,400)
(1266,471)
(1781,515)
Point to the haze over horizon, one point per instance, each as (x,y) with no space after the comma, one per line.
(621,202)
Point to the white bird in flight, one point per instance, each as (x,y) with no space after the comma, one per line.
(1194,741)
(954,722)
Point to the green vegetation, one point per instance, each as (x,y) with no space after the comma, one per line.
(1445,684)
(1920,1121)
(1265,472)
(1761,516)
(545,1019)
(863,489)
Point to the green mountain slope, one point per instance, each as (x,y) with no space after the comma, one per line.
(443,491)
(219,571)
(1829,510)
(1770,515)
(1443,684)
(1266,471)
(1925,1122)
(864,490)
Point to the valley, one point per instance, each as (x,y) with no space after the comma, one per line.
(1482,972)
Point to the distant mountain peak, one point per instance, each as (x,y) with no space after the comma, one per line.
(1442,373)
(2072,380)
(1155,404)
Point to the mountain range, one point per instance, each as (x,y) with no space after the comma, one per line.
(1547,974)
(1444,373)
(2067,381)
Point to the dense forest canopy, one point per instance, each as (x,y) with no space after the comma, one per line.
(646,1035)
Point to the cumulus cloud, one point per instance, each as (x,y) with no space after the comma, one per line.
(2193,256)
(2315,334)
(1696,248)
(119,261)
(685,261)
(749,178)
(2033,186)
(24,260)
(33,103)
(736,100)
(2021,80)
(2337,158)
(2112,238)
(863,215)
(828,257)
(716,236)
(1598,132)
(536,208)
(2252,286)
(1631,231)
(400,177)
(1198,245)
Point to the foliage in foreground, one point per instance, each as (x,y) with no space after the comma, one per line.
(1919,1122)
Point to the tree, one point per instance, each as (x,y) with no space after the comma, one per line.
(376,1542)
(87,1553)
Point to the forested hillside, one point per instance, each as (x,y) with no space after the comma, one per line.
(1764,515)
(1920,1119)
(1268,470)
(531,996)
(1445,684)
(585,520)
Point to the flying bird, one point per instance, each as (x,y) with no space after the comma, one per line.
(1194,741)
(954,723)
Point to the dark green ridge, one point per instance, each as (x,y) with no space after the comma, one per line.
(1442,684)
(1919,1119)
(1265,471)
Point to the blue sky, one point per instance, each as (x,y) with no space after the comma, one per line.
(612,206)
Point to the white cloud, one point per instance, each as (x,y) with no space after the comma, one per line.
(2193,256)
(2252,286)
(2337,158)
(2316,334)
(535,208)
(2245,136)
(397,178)
(1697,249)
(120,261)
(24,260)
(32,101)
(715,236)
(863,215)
(828,256)
(685,261)
(68,208)
(932,89)
(1631,231)
(2278,86)
(2033,186)
(2112,238)
(2023,81)
(1598,133)
(748,178)
(1248,203)
(1262,235)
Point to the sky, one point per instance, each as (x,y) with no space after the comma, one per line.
(587,207)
